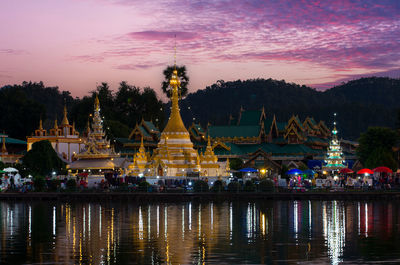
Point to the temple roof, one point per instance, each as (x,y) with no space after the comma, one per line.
(234,131)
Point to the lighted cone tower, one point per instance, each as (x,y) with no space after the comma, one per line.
(175,155)
(334,158)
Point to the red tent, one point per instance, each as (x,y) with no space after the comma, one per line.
(346,171)
(365,171)
(383,170)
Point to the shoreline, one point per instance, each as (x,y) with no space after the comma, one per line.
(192,196)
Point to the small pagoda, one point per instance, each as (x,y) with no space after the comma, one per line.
(98,153)
(334,157)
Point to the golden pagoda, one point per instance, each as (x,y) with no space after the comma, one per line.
(140,161)
(98,153)
(209,162)
(175,155)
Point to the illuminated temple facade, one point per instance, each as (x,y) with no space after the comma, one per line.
(255,136)
(64,138)
(174,154)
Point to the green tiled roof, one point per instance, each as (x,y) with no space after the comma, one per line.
(10,140)
(151,126)
(313,121)
(143,131)
(234,131)
(296,149)
(266,147)
(124,140)
(198,127)
(314,139)
(235,150)
(250,117)
(300,123)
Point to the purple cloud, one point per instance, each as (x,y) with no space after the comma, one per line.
(138,66)
(162,35)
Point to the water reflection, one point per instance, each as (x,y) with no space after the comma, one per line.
(212,233)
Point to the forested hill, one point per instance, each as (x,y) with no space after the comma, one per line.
(359,103)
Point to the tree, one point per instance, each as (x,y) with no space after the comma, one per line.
(398,120)
(19,115)
(41,160)
(375,147)
(381,157)
(183,78)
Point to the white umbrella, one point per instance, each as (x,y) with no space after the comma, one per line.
(10,169)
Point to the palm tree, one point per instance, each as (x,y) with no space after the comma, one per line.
(181,74)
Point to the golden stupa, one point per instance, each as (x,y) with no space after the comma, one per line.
(175,155)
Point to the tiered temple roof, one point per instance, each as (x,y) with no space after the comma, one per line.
(98,152)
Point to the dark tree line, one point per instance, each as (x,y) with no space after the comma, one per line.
(21,107)
(360,104)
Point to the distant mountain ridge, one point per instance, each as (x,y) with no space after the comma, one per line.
(359,103)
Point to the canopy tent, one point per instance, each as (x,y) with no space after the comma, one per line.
(382,170)
(248,169)
(346,171)
(1,171)
(294,171)
(365,171)
(10,170)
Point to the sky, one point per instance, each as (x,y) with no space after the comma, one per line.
(76,44)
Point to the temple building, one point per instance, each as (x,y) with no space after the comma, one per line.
(11,150)
(255,136)
(97,153)
(64,138)
(174,155)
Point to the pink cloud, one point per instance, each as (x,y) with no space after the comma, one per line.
(162,35)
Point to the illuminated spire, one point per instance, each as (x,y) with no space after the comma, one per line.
(175,123)
(55,124)
(40,124)
(96,103)
(3,148)
(65,118)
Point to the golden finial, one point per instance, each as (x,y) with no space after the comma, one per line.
(55,123)
(40,124)
(96,103)
(3,148)
(65,118)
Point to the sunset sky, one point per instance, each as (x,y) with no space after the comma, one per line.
(75,44)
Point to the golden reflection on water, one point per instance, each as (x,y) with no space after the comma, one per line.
(185,233)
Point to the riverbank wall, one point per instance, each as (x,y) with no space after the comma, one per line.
(189,196)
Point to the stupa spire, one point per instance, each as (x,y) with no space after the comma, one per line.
(55,124)
(175,123)
(40,124)
(65,118)
(3,147)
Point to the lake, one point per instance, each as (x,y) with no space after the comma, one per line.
(237,232)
